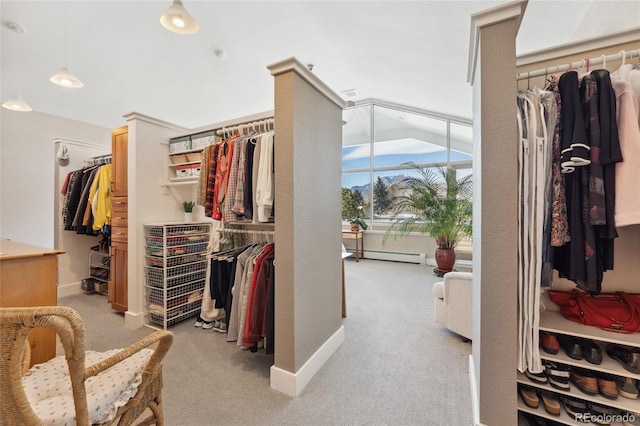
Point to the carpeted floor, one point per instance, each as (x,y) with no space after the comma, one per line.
(396,366)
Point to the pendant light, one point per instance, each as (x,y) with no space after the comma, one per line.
(64,77)
(16,104)
(178,20)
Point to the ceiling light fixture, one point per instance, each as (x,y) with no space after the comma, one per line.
(16,104)
(178,20)
(64,77)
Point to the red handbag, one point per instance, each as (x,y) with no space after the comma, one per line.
(617,311)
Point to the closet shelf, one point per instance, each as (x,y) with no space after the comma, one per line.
(621,403)
(173,166)
(608,365)
(554,321)
(181,181)
(563,418)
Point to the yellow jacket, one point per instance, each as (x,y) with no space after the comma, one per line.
(100,198)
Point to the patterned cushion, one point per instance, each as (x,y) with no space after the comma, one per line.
(48,387)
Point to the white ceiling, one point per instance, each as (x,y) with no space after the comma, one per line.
(412,53)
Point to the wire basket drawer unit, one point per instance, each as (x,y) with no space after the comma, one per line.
(175,270)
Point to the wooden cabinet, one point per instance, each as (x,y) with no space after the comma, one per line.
(119,147)
(118,285)
(28,277)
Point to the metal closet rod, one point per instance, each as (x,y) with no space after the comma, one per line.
(245,126)
(584,63)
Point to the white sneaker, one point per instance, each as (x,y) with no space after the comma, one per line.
(208,325)
(222,327)
(199,322)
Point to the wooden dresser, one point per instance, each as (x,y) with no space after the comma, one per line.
(29,277)
(118,287)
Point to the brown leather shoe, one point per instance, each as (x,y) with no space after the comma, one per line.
(584,380)
(607,385)
(549,342)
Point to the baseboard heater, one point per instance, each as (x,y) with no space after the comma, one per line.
(419,258)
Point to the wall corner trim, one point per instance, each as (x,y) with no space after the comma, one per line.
(137,116)
(293,64)
(511,10)
(293,383)
(133,320)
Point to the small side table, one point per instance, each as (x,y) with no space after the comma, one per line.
(358,236)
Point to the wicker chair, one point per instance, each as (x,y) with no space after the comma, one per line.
(15,406)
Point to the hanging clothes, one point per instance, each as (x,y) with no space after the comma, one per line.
(627,203)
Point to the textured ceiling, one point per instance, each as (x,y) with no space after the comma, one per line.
(412,53)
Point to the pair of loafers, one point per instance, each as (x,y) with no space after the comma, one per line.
(579,348)
(628,356)
(594,383)
(579,409)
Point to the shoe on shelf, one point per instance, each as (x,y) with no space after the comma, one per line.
(607,385)
(571,346)
(549,342)
(627,356)
(533,420)
(591,351)
(208,325)
(603,413)
(574,406)
(631,419)
(627,387)
(529,396)
(557,375)
(540,378)
(584,380)
(550,402)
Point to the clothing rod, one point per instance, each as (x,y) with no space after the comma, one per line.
(248,124)
(584,63)
(80,143)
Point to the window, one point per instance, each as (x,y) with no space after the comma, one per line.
(378,141)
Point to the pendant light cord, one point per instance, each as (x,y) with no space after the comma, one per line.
(66,37)
(17,64)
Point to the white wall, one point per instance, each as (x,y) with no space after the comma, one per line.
(30,182)
(28,169)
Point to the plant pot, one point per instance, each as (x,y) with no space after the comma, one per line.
(188,217)
(355,227)
(445,258)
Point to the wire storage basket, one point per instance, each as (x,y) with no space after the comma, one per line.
(175,271)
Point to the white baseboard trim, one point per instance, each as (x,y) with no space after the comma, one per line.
(475,406)
(396,257)
(133,320)
(292,383)
(70,289)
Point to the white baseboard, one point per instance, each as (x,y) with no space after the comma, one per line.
(396,257)
(475,407)
(292,383)
(133,320)
(70,289)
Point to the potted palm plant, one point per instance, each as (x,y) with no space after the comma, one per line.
(437,202)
